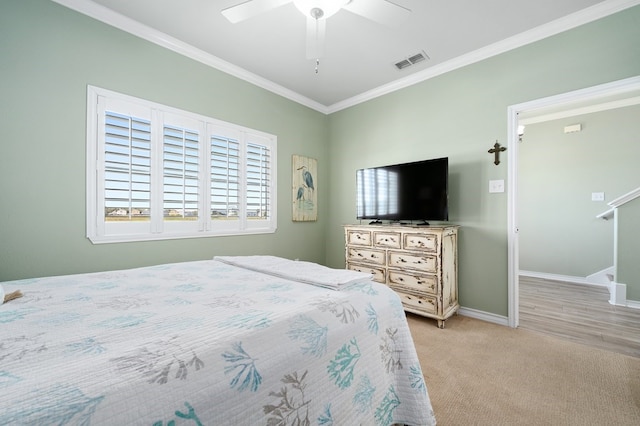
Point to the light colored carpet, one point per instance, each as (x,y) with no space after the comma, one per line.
(480,373)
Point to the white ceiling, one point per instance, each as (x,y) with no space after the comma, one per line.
(269,50)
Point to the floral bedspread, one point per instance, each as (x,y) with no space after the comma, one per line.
(206,343)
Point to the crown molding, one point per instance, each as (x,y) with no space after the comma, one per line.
(109,17)
(121,22)
(590,14)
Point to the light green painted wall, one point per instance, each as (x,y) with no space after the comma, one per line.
(49,54)
(558,172)
(460,115)
(628,268)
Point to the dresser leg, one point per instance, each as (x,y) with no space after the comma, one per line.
(440,323)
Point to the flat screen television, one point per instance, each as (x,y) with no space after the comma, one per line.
(407,192)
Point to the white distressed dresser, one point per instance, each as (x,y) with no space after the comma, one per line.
(418,262)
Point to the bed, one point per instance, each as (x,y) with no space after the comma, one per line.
(249,340)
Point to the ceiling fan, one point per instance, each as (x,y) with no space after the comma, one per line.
(317,11)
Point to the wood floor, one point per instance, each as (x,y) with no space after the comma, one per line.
(580,313)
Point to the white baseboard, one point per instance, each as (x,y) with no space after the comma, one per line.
(502,320)
(618,294)
(633,304)
(617,291)
(564,278)
(484,316)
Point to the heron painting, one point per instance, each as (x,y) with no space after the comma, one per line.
(305,188)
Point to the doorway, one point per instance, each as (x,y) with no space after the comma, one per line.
(606,96)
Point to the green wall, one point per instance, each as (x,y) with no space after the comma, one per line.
(461,114)
(49,54)
(628,268)
(558,172)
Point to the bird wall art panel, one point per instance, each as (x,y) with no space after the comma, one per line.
(304,180)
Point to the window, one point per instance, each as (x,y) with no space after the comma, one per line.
(155,172)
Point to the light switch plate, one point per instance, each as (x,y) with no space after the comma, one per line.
(597,196)
(496,186)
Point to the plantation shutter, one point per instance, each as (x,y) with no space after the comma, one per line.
(225,178)
(127,168)
(258,181)
(180,169)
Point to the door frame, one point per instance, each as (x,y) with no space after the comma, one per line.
(543,106)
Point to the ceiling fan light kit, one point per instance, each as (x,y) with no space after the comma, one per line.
(319,9)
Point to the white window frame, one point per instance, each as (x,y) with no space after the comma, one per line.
(101,231)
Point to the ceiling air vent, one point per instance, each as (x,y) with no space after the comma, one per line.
(411,60)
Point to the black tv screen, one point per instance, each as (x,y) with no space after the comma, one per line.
(414,191)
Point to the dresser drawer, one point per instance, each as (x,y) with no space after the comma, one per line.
(378,274)
(360,238)
(387,239)
(366,255)
(415,261)
(413,282)
(422,304)
(420,241)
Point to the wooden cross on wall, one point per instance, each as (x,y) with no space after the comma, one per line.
(496,150)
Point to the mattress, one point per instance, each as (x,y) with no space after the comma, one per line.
(206,343)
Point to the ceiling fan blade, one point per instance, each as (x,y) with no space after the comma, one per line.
(381,11)
(251,8)
(315,37)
